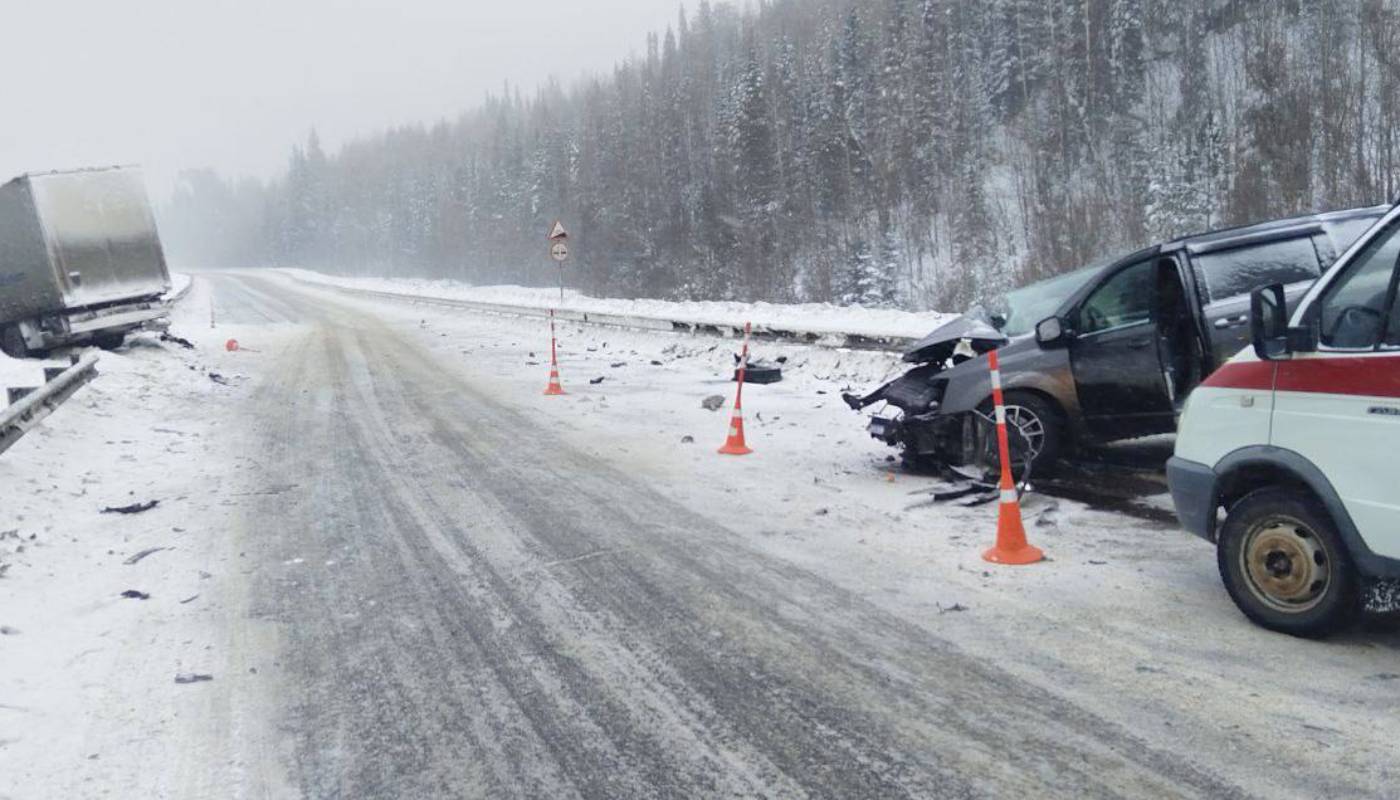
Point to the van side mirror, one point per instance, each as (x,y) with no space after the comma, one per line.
(1051,331)
(1268,319)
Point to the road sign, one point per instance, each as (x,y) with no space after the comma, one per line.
(557,233)
(559,251)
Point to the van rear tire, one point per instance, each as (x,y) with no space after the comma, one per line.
(1285,565)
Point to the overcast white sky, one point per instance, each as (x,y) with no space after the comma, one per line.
(231,84)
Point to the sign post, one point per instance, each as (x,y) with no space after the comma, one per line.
(559,251)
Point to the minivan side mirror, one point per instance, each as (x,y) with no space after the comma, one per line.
(1268,319)
(1051,331)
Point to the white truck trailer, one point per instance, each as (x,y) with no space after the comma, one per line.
(80,260)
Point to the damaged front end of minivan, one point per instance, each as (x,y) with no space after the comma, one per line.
(922,426)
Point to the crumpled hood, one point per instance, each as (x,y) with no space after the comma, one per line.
(938,346)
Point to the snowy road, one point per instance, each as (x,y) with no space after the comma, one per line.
(408,575)
(480,610)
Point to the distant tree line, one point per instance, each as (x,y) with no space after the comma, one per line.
(888,152)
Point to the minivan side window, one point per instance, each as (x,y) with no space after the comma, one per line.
(1124,299)
(1231,273)
(1353,309)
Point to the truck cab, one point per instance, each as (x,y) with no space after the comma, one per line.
(1284,456)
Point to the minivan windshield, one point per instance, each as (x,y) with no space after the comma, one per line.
(1023,308)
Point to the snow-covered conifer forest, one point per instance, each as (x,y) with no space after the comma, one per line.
(917,153)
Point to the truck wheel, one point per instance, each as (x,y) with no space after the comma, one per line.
(12,342)
(110,341)
(1285,565)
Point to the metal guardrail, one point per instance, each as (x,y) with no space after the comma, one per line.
(176,296)
(29,407)
(840,340)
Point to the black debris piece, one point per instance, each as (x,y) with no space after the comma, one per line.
(189,599)
(192,677)
(132,594)
(171,339)
(619,364)
(148,551)
(219,379)
(713,403)
(656,364)
(687,440)
(134,508)
(953,608)
(597,381)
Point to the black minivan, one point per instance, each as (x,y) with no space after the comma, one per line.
(1105,353)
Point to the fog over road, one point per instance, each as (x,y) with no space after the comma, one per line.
(486,611)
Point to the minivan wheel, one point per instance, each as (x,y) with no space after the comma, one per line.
(1285,565)
(1035,429)
(12,342)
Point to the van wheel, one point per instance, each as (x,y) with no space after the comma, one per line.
(12,342)
(1285,565)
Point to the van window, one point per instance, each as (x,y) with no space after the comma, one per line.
(1124,299)
(1345,234)
(1231,273)
(1353,310)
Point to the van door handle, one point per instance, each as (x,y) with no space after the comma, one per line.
(1226,323)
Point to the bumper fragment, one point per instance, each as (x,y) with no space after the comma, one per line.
(1193,488)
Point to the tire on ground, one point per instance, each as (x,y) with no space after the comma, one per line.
(1300,599)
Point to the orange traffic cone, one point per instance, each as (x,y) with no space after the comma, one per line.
(1011,546)
(735,445)
(554,388)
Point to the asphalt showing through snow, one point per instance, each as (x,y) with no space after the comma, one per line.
(472,608)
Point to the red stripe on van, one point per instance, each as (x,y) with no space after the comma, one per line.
(1255,376)
(1364,376)
(1370,376)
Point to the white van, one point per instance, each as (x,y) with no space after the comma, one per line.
(1288,457)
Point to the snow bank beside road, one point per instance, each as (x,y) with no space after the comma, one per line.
(809,317)
(18,372)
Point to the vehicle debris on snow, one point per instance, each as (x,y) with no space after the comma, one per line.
(134,508)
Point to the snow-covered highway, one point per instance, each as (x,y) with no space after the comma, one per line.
(416,577)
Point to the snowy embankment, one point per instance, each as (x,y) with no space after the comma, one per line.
(808,320)
(29,372)
(16,372)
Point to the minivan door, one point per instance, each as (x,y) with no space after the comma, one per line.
(1117,371)
(1229,275)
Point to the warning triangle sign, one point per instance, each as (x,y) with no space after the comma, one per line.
(558,232)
